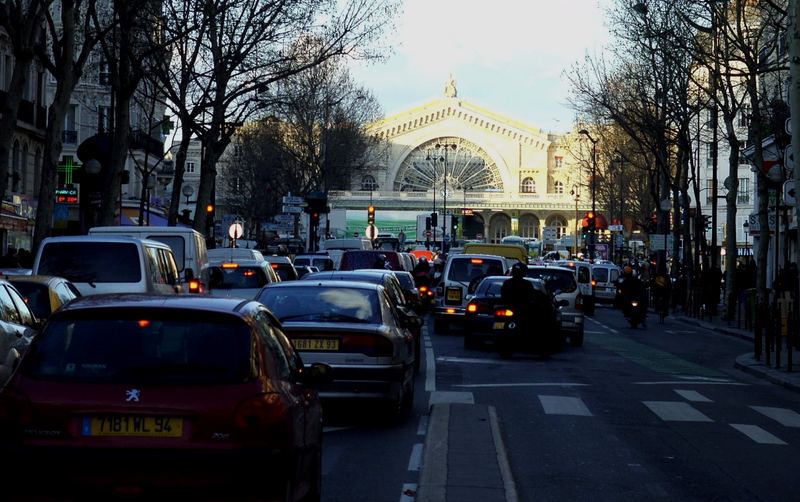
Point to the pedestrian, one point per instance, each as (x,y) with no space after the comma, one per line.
(662,289)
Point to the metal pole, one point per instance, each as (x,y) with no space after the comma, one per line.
(593,230)
(714,139)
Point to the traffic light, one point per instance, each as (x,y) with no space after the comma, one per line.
(209,219)
(707,221)
(591,221)
(371,215)
(454,225)
(434,220)
(314,219)
(427,223)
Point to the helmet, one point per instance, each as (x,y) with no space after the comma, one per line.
(627,270)
(519,270)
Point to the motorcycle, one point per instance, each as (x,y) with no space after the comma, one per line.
(635,312)
(517,331)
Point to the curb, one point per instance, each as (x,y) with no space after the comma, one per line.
(432,485)
(744,335)
(747,364)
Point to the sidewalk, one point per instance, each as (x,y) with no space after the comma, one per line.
(747,362)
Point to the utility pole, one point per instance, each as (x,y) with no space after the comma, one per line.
(794,92)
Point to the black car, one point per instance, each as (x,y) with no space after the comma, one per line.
(480,324)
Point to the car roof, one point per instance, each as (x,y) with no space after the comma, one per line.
(148,301)
(477,255)
(277,259)
(241,262)
(39,279)
(103,238)
(551,267)
(308,283)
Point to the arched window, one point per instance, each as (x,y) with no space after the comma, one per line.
(561,226)
(528,186)
(558,187)
(368,183)
(529,227)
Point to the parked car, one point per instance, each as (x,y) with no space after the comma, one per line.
(390,281)
(354,327)
(561,282)
(461,275)
(98,264)
(167,397)
(188,248)
(18,325)
(241,278)
(479,317)
(44,294)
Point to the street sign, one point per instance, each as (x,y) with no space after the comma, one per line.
(236,231)
(284,218)
(788,158)
(754,225)
(567,240)
(371,232)
(789,193)
(616,228)
(292,209)
(292,200)
(658,242)
(466,212)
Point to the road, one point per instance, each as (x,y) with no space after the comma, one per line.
(657,413)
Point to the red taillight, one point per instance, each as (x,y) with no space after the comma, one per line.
(15,410)
(423,289)
(194,286)
(504,313)
(594,282)
(472,308)
(477,307)
(230,265)
(579,302)
(257,414)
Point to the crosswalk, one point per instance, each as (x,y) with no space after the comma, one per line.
(678,411)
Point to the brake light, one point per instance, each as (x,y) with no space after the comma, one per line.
(594,282)
(430,293)
(254,416)
(143,323)
(274,265)
(230,265)
(472,308)
(579,302)
(369,345)
(423,289)
(504,313)
(477,307)
(476,261)
(194,286)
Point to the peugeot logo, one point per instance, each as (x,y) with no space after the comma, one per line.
(132,395)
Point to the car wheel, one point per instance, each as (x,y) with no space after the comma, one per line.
(576,339)
(440,325)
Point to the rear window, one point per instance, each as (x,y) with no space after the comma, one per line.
(285,271)
(466,269)
(178,247)
(354,260)
(600,274)
(554,279)
(237,278)
(37,296)
(299,262)
(116,346)
(406,281)
(328,304)
(87,261)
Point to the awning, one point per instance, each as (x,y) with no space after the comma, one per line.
(13,222)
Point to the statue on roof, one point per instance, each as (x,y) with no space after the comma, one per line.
(450,90)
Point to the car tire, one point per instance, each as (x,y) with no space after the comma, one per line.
(576,339)
(440,325)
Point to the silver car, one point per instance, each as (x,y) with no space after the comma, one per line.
(561,282)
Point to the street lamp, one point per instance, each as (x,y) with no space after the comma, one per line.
(445,147)
(575,193)
(746,227)
(592,231)
(187,191)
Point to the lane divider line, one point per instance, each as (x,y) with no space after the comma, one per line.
(409,492)
(415,461)
(502,457)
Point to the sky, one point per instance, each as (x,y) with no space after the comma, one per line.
(505,55)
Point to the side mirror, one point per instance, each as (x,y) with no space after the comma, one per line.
(318,374)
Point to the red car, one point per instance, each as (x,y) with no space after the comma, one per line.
(132,395)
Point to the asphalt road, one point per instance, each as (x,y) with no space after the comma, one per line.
(655,413)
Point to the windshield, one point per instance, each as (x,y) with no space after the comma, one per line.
(330,304)
(554,279)
(466,269)
(600,274)
(118,346)
(91,261)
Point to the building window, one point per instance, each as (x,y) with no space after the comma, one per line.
(190,167)
(558,187)
(559,161)
(368,184)
(709,189)
(71,125)
(743,118)
(529,228)
(743,195)
(528,186)
(709,158)
(561,227)
(104,74)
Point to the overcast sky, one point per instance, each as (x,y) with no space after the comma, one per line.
(506,55)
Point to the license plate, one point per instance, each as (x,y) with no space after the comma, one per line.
(132,425)
(499,325)
(329,344)
(454,294)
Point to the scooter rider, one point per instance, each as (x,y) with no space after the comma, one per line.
(516,291)
(632,288)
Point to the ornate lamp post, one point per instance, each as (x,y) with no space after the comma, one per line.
(444,147)
(575,193)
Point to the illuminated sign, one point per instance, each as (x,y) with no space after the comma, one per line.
(66,195)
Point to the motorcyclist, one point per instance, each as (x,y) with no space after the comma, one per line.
(530,306)
(632,288)
(422,272)
(516,290)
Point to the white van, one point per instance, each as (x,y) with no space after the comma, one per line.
(98,264)
(344,244)
(462,273)
(188,246)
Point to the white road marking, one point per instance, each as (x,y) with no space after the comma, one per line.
(469,360)
(678,331)
(564,405)
(444,397)
(676,411)
(693,395)
(532,384)
(757,434)
(409,492)
(703,378)
(593,332)
(430,371)
(682,382)
(416,457)
(334,429)
(602,325)
(422,428)
(783,416)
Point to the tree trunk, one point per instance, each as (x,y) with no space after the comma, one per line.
(177,183)
(731,249)
(112,176)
